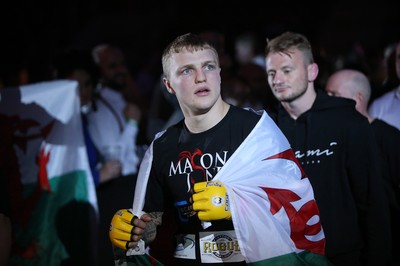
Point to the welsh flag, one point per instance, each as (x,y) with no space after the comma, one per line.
(46,186)
(275,216)
(274,212)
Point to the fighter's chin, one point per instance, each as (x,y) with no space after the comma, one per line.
(279,96)
(203,107)
(283,98)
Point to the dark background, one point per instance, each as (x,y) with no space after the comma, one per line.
(34,31)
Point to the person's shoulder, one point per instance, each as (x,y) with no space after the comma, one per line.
(386,135)
(246,113)
(382,126)
(382,100)
(339,110)
(171,132)
(242,119)
(326,102)
(111,94)
(239,122)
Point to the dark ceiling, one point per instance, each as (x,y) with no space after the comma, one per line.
(33,31)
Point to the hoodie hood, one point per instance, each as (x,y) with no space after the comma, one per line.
(323,102)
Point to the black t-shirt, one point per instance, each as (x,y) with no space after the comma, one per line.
(182,159)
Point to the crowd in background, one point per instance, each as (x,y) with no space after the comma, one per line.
(242,61)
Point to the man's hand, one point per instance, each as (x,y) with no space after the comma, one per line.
(211,201)
(126,229)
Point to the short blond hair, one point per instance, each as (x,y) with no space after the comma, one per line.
(188,42)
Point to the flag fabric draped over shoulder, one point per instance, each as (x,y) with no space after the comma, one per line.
(46,184)
(274,212)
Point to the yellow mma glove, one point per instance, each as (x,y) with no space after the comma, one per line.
(210,200)
(121,228)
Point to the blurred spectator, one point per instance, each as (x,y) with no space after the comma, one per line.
(385,77)
(236,91)
(115,125)
(164,111)
(146,77)
(250,70)
(391,78)
(115,120)
(259,96)
(248,49)
(354,85)
(110,130)
(247,88)
(77,65)
(387,106)
(113,71)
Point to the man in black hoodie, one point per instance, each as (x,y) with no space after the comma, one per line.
(336,147)
(353,84)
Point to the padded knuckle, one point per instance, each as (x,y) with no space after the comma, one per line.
(199,196)
(200,186)
(125,227)
(126,215)
(119,235)
(120,244)
(198,206)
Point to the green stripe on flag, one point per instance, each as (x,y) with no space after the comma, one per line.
(304,258)
(58,221)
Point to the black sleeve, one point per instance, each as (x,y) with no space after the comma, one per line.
(365,171)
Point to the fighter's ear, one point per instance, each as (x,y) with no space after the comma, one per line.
(312,72)
(168,86)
